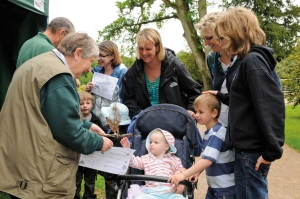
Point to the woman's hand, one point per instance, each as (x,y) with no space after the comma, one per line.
(89,86)
(210,92)
(95,128)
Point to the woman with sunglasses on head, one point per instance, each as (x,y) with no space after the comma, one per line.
(257,111)
(157,77)
(225,65)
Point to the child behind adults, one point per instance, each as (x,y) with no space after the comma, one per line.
(217,159)
(160,161)
(111,189)
(89,175)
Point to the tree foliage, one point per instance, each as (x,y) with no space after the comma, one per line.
(189,61)
(289,71)
(278,18)
(134,14)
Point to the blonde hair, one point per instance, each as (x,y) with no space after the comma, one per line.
(152,35)
(111,48)
(209,100)
(72,41)
(86,96)
(240,27)
(208,22)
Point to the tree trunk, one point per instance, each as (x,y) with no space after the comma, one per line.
(193,41)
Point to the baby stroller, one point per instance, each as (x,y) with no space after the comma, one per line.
(177,121)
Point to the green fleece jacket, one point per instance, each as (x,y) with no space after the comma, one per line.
(35,46)
(60,108)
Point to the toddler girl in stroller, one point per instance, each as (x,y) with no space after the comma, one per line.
(175,120)
(160,161)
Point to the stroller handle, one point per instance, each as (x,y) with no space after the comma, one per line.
(189,185)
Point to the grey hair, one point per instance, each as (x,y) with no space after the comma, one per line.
(59,23)
(208,22)
(79,40)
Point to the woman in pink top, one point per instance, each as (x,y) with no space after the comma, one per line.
(160,161)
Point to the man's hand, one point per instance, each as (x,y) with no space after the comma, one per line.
(95,128)
(107,144)
(125,142)
(259,161)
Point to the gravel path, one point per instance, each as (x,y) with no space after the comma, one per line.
(283,178)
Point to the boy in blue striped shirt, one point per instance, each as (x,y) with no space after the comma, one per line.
(217,159)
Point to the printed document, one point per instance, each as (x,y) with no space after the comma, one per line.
(104,85)
(115,160)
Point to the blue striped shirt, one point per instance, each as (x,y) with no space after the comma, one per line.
(220,175)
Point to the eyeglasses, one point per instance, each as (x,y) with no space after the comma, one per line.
(208,38)
(102,56)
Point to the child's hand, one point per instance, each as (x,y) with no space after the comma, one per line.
(180,189)
(125,142)
(175,179)
(194,178)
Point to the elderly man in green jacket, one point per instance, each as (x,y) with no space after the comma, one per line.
(57,29)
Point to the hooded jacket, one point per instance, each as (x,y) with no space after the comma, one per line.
(257,110)
(176,85)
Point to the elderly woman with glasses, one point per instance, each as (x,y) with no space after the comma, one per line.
(157,77)
(41,129)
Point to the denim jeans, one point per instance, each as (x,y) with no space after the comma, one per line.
(210,195)
(249,183)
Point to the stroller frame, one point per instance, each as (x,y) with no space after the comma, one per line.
(180,124)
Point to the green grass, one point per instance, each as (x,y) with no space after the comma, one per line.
(292,127)
(99,189)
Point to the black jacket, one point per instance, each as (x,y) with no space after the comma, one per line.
(176,85)
(219,74)
(257,110)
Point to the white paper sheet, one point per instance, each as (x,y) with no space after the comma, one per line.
(115,160)
(104,85)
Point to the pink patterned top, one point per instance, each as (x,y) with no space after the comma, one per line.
(165,166)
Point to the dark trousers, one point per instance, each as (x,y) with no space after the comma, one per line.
(89,176)
(13,197)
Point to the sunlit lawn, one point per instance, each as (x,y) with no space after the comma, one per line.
(292,127)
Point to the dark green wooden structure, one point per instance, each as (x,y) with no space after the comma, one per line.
(20,20)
